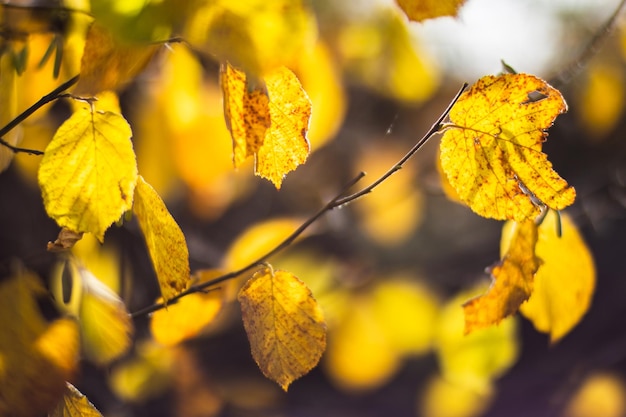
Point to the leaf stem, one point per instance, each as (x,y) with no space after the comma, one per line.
(53,95)
(338,201)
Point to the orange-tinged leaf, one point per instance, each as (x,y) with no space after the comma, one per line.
(74,404)
(166,242)
(36,357)
(284,323)
(269,122)
(187,317)
(565,281)
(65,241)
(492,155)
(108,64)
(512,284)
(419,10)
(88,172)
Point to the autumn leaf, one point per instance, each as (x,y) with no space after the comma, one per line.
(74,404)
(65,241)
(491,153)
(9,98)
(166,242)
(88,172)
(512,284)
(419,10)
(565,281)
(284,323)
(108,64)
(37,357)
(189,316)
(269,122)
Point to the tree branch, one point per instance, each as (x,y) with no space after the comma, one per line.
(338,201)
(53,95)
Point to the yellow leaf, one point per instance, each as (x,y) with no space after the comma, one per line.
(512,284)
(419,10)
(165,241)
(108,64)
(255,35)
(9,98)
(105,325)
(443,398)
(74,404)
(36,357)
(269,122)
(474,360)
(284,323)
(187,317)
(602,394)
(565,281)
(492,155)
(88,172)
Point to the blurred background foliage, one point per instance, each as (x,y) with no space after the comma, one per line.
(390,270)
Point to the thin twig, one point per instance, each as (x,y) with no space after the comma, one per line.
(338,201)
(53,95)
(590,50)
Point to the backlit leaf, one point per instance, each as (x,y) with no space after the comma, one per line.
(36,357)
(565,281)
(188,316)
(166,242)
(419,10)
(284,323)
(513,279)
(269,122)
(74,404)
(108,64)
(88,172)
(492,155)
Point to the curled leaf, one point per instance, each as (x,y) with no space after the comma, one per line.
(65,241)
(284,323)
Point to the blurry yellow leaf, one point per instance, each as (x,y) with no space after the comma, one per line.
(565,281)
(284,323)
(145,375)
(108,64)
(269,124)
(88,172)
(391,214)
(103,261)
(255,35)
(476,359)
(188,316)
(36,357)
(359,357)
(407,313)
(602,394)
(443,398)
(512,281)
(105,325)
(74,404)
(492,155)
(8,96)
(382,53)
(165,241)
(601,101)
(419,10)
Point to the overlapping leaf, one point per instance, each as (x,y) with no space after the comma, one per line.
(88,172)
(166,243)
(284,323)
(513,279)
(492,155)
(419,10)
(269,120)
(74,404)
(37,357)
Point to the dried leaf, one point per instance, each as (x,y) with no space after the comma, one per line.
(512,284)
(65,241)
(74,404)
(166,242)
(492,155)
(419,10)
(271,124)
(37,357)
(88,172)
(565,281)
(284,323)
